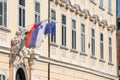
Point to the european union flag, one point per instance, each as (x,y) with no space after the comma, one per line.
(50,28)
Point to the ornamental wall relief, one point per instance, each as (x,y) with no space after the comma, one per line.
(3,37)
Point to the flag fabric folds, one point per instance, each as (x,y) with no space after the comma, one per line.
(50,28)
(36,34)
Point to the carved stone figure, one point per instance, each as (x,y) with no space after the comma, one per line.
(18,50)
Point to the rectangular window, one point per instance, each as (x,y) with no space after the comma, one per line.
(101,46)
(101,3)
(93,42)
(110,49)
(73,34)
(53,19)
(110,6)
(83,38)
(22,13)
(37,12)
(63,30)
(3,13)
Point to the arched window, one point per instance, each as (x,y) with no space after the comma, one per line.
(2,75)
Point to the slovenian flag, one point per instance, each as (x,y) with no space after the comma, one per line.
(36,34)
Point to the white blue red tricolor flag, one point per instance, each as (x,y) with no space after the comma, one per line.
(36,34)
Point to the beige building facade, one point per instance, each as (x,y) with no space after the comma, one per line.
(83,47)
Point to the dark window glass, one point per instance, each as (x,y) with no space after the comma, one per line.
(73,34)
(53,16)
(5,14)
(73,24)
(53,19)
(63,35)
(20,16)
(22,2)
(37,7)
(23,18)
(63,19)
(63,30)
(1,11)
(73,39)
(101,49)
(101,37)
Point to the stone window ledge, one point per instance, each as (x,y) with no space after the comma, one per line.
(93,57)
(63,47)
(54,44)
(102,60)
(110,63)
(101,8)
(5,29)
(93,2)
(110,13)
(83,53)
(73,50)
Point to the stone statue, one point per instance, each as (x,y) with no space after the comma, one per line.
(18,49)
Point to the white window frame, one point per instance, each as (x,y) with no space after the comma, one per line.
(64,30)
(93,42)
(83,38)
(53,37)
(4,13)
(101,47)
(37,14)
(74,35)
(22,24)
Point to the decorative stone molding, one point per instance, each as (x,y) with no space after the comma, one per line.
(67,6)
(18,49)
(72,9)
(100,23)
(94,18)
(81,13)
(86,12)
(111,28)
(3,37)
(57,2)
(67,2)
(103,23)
(77,7)
(62,4)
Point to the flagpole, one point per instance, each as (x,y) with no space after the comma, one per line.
(49,40)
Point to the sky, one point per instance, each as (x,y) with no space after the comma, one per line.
(119,8)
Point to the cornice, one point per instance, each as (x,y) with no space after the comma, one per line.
(84,13)
(111,28)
